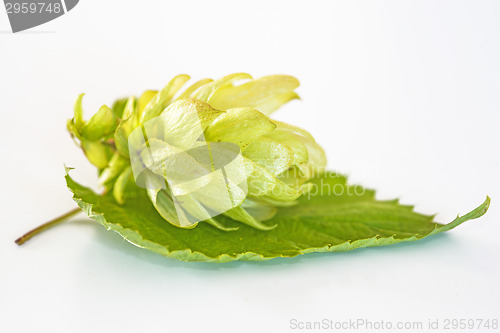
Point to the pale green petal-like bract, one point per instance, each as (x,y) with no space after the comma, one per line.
(163,97)
(265,94)
(100,125)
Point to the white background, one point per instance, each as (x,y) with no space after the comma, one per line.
(404,96)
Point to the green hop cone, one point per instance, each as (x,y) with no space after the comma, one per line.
(208,150)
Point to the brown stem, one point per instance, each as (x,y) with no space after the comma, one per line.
(45,226)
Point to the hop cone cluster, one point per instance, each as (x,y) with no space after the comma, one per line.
(157,136)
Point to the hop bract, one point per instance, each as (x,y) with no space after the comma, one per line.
(203,152)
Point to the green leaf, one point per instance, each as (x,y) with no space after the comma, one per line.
(342,218)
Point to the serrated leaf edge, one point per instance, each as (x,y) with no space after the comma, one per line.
(136,239)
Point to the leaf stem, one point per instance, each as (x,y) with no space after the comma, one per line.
(47,225)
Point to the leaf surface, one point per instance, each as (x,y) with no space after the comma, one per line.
(342,218)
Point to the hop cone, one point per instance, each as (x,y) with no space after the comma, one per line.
(207,151)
